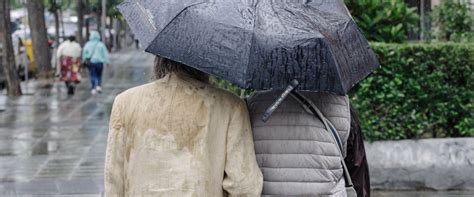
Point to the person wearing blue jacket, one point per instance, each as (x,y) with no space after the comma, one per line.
(97,54)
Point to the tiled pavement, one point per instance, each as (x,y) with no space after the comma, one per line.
(52,144)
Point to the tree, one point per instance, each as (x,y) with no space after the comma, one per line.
(87,6)
(54,8)
(8,60)
(117,22)
(39,37)
(103,9)
(454,21)
(384,21)
(80,22)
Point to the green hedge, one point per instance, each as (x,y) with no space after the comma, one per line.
(421,91)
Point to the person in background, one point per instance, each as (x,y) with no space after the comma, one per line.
(298,155)
(180,136)
(356,159)
(68,56)
(96,55)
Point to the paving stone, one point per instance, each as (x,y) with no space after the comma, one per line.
(37,187)
(52,144)
(86,186)
(7,189)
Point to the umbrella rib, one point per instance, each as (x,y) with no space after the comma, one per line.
(279,19)
(150,16)
(171,21)
(251,40)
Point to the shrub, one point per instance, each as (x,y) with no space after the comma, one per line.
(382,20)
(454,21)
(230,87)
(421,90)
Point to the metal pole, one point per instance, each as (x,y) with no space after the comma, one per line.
(27,63)
(422,20)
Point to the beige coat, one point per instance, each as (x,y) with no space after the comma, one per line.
(180,137)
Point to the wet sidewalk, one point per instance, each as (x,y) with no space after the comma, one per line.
(52,144)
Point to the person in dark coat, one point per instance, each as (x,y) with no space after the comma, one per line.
(356,159)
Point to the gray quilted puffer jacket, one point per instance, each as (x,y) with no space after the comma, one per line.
(296,154)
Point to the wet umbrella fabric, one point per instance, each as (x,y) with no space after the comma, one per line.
(258,44)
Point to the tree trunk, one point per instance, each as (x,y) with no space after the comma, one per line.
(103,15)
(122,34)
(88,33)
(80,21)
(99,25)
(8,60)
(116,36)
(61,16)
(56,24)
(87,7)
(98,18)
(39,37)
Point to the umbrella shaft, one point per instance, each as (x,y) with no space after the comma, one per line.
(280,99)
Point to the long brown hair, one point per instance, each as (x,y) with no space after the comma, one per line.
(165,66)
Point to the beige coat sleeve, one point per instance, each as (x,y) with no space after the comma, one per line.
(114,160)
(242,175)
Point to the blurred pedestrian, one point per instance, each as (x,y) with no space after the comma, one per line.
(180,136)
(68,56)
(95,55)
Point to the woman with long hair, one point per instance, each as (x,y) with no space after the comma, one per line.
(180,136)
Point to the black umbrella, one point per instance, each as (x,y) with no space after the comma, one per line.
(259,44)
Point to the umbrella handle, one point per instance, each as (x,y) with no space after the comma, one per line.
(293,84)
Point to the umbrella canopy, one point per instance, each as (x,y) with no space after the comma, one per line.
(259,44)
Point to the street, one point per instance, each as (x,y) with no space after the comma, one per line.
(54,144)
